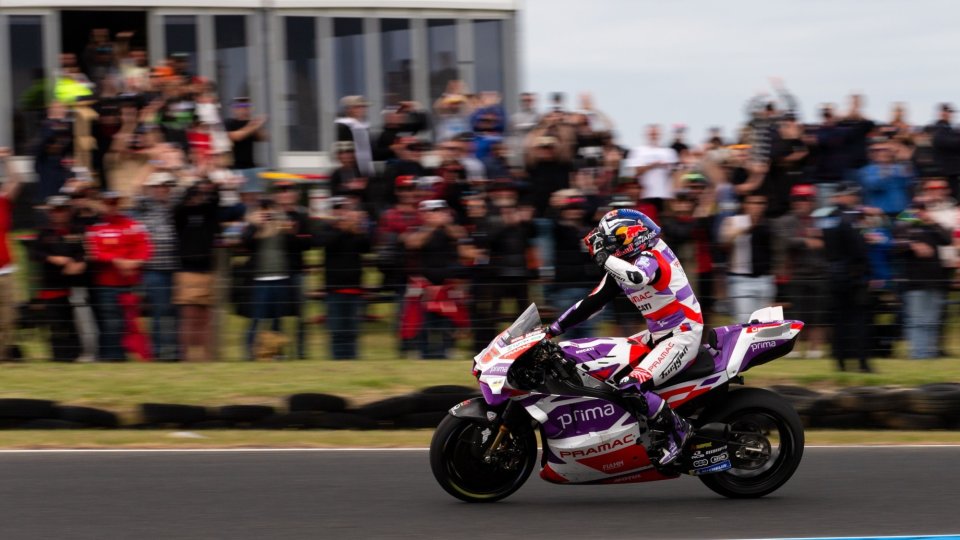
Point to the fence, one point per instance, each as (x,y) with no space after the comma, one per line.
(298,318)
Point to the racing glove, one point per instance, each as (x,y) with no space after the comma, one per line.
(596,248)
(638,376)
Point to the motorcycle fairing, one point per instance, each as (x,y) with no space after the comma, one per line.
(588,439)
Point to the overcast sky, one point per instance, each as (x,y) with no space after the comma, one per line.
(696,61)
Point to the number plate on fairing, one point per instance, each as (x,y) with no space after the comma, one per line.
(708,457)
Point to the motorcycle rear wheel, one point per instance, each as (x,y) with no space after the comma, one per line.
(456,459)
(773,441)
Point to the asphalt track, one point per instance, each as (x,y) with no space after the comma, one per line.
(391,494)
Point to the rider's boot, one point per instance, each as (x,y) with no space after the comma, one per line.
(676,430)
(661,417)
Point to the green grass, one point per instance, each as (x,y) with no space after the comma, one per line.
(120,387)
(353,439)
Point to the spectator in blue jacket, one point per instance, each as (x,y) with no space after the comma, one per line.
(886,182)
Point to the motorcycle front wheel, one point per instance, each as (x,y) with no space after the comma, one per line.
(457,459)
(766,443)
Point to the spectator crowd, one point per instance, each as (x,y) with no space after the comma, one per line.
(457,214)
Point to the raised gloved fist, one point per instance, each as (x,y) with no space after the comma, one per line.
(595,246)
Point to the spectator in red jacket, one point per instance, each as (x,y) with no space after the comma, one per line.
(8,192)
(117,248)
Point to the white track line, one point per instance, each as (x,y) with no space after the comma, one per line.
(374,450)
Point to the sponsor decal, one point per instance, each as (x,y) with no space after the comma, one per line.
(663,355)
(709,458)
(718,459)
(615,466)
(498,369)
(671,368)
(712,469)
(754,347)
(646,261)
(644,307)
(586,414)
(627,439)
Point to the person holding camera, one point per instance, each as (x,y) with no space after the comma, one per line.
(917,240)
(268,237)
(652,165)
(196,220)
(346,237)
(431,307)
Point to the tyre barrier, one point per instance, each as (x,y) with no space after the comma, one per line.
(931,406)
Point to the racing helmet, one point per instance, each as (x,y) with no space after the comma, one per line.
(627,232)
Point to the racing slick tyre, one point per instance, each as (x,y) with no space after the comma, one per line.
(765,445)
(457,460)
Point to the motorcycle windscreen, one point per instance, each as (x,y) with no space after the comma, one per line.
(527,322)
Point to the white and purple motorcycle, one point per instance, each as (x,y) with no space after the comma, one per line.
(748,441)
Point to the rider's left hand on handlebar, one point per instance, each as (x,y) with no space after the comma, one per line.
(637,376)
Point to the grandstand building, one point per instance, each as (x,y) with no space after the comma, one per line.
(293,58)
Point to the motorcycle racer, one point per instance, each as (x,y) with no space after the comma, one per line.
(627,245)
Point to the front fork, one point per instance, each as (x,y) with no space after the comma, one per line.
(503,424)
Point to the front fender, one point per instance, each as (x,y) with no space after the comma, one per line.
(475,409)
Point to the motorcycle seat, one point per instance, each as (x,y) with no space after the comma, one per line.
(703,366)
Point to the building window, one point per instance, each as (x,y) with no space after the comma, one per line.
(27,81)
(349,66)
(180,37)
(397,60)
(442,50)
(302,97)
(488,55)
(233,69)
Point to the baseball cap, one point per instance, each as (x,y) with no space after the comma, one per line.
(406,181)
(343,146)
(339,202)
(57,201)
(848,188)
(694,178)
(163,71)
(431,205)
(160,178)
(936,183)
(572,202)
(353,101)
(803,191)
(546,140)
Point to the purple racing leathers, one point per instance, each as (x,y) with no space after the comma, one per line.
(657,285)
